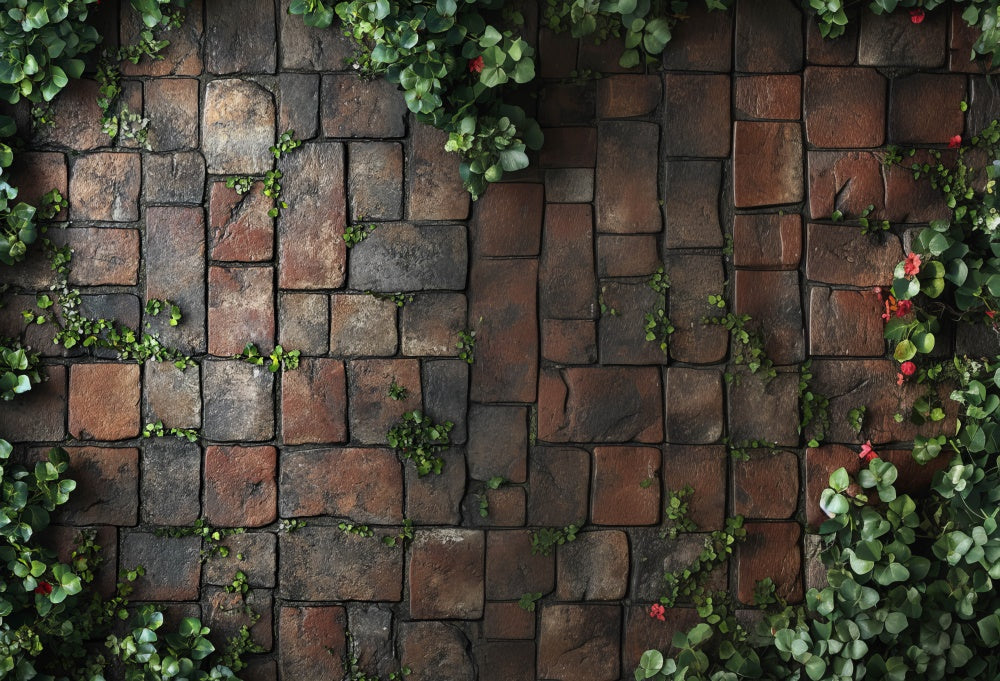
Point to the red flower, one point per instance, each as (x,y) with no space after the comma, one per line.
(900,379)
(912,265)
(656,611)
(991,314)
(916,15)
(877,290)
(908,368)
(903,308)
(955,142)
(476,65)
(867,453)
(43,588)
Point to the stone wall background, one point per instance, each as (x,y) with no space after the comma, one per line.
(725,167)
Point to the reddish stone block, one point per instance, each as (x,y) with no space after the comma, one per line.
(79,119)
(96,177)
(512,569)
(567,103)
(768,97)
(435,188)
(107,490)
(430,325)
(984,102)
(173,566)
(362,325)
(171,105)
(182,57)
(704,44)
(498,442)
(375,180)
(600,404)
(352,107)
(914,200)
(566,268)
(643,632)
(772,301)
(626,256)
(770,550)
(36,173)
(312,641)
(568,148)
(845,323)
(569,341)
(303,322)
(240,486)
(506,508)
(760,410)
(240,309)
(843,255)
(556,53)
(63,540)
(507,661)
(174,251)
(694,405)
(435,651)
(702,468)
(890,40)
(626,197)
(594,567)
(621,334)
(692,279)
(502,295)
(372,413)
(580,642)
(172,396)
(437,499)
(768,37)
(923,108)
(240,228)
(253,553)
(558,486)
(845,181)
(768,240)
(226,613)
(844,107)
(446,574)
(696,129)
(365,485)
(104,401)
(691,206)
(767,163)
(766,486)
(508,220)
(839,51)
(39,414)
(961,38)
(627,96)
(101,255)
(314,402)
(506,620)
(618,496)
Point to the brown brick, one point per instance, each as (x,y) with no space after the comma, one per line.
(174,251)
(594,567)
(568,148)
(512,569)
(626,197)
(352,107)
(563,104)
(314,403)
(696,112)
(224,613)
(704,44)
(237,127)
(170,488)
(569,341)
(701,467)
(78,116)
(557,53)
(768,97)
(309,48)
(984,102)
(652,556)
(844,107)
(507,661)
(35,173)
(410,257)
(430,325)
(768,37)
(770,550)
(845,323)
(923,109)
(308,258)
(621,335)
(435,651)
(498,442)
(96,177)
(502,298)
(768,240)
(436,499)
(173,566)
(600,404)
(643,632)
(915,200)
(691,204)
(435,188)
(252,553)
(766,486)
(63,540)
(102,255)
(508,220)
(692,279)
(839,51)
(303,322)
(893,40)
(569,185)
(507,620)
(446,574)
(845,181)
(104,401)
(240,309)
(627,96)
(372,412)
(445,385)
(618,496)
(238,401)
(362,325)
(365,485)
(772,301)
(767,163)
(298,98)
(842,255)
(626,256)
(694,405)
(760,410)
(566,268)
(240,486)
(107,490)
(580,642)
(558,489)
(506,508)
(171,105)
(375,180)
(240,228)
(312,640)
(182,57)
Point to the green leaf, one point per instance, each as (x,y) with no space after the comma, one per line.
(904,351)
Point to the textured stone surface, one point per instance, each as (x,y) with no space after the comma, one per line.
(766,486)
(313,640)
(594,567)
(407,257)
(435,651)
(889,40)
(558,484)
(352,107)
(182,57)
(430,325)
(694,412)
(436,192)
(173,566)
(845,181)
(362,325)
(240,486)
(310,48)
(772,301)
(171,395)
(446,574)
(768,97)
(303,322)
(691,206)
(845,107)
(692,279)
(107,486)
(238,401)
(513,569)
(627,96)
(770,550)
(626,197)
(372,413)
(40,415)
(569,341)
(171,481)
(621,335)
(240,309)
(845,323)
(508,220)
(365,485)
(566,268)
(239,227)
(245,45)
(314,403)
(579,642)
(105,186)
(768,37)
(174,178)
(375,180)
(696,130)
(914,95)
(699,467)
(760,410)
(768,240)
(237,127)
(626,256)
(842,255)
(116,417)
(498,442)
(171,105)
(767,163)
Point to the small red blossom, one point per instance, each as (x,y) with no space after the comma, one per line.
(908,368)
(657,611)
(476,65)
(917,15)
(912,265)
(903,308)
(900,379)
(43,588)
(955,142)
(877,290)
(867,453)
(991,314)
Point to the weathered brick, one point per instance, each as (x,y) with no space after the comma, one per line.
(40,414)
(375,180)
(914,97)
(239,36)
(182,57)
(173,566)
(770,550)
(566,268)
(627,96)
(171,395)
(557,52)
(772,301)
(643,632)
(626,196)
(506,507)
(308,48)
(567,103)
(843,255)
(435,651)
(79,118)
(171,105)
(502,294)
(558,489)
(107,486)
(705,44)
(691,204)
(174,253)
(365,485)
(351,107)
(844,107)
(507,661)
(693,399)
(569,185)
(701,467)
(511,567)
(35,173)
(372,638)
(430,325)
(321,562)
(893,40)
(104,401)
(406,257)
(915,200)
(237,127)
(63,540)
(984,102)
(252,553)
(372,413)
(505,620)
(600,404)
(768,37)
(768,97)
(105,186)
(240,309)
(298,100)
(845,323)
(436,499)
(508,220)
(303,322)
(308,257)
(122,308)
(240,486)
(101,255)
(569,341)
(603,58)
(238,399)
(498,442)
(225,613)
(362,325)
(239,227)
(445,385)
(760,410)
(696,129)
(620,334)
(767,240)
(580,642)
(568,148)
(839,51)
(173,178)
(171,482)
(845,181)
(435,188)
(626,255)
(314,402)
(446,574)
(767,163)
(312,640)
(618,496)
(766,486)
(692,279)
(594,567)
(652,556)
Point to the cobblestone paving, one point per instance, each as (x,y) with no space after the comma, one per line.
(755,132)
